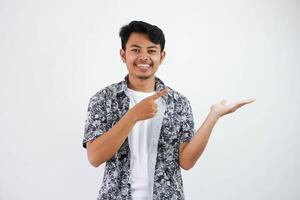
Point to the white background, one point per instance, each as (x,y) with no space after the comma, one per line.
(54,55)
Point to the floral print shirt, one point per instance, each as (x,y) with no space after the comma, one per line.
(175,126)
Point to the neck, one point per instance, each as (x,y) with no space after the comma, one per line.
(142,85)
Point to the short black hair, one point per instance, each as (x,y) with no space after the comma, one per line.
(154,33)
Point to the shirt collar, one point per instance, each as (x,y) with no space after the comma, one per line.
(159,85)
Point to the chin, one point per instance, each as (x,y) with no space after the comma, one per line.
(144,77)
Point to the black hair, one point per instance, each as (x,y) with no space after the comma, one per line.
(154,33)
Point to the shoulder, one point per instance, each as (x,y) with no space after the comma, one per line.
(177,97)
(106,93)
(180,105)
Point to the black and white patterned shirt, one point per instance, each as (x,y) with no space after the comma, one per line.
(175,126)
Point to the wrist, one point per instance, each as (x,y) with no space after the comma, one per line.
(131,116)
(214,116)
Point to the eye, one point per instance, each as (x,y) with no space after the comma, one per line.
(152,51)
(135,50)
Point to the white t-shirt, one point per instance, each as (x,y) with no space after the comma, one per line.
(139,141)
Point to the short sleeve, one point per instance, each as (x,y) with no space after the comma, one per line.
(187,129)
(96,120)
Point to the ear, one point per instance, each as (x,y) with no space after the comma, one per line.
(162,56)
(122,55)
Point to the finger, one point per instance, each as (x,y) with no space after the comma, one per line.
(160,93)
(154,106)
(250,100)
(242,103)
(223,102)
(246,101)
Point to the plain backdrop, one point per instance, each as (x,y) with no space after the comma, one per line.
(54,55)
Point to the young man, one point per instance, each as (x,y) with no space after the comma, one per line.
(143,130)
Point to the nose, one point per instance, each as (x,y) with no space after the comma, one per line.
(143,56)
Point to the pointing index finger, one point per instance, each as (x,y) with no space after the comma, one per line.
(161,93)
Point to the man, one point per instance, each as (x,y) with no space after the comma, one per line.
(143,130)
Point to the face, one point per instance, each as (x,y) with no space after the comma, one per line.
(141,56)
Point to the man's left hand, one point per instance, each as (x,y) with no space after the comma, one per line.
(222,109)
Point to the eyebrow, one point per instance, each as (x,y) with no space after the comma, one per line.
(150,47)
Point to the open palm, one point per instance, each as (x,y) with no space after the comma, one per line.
(223,109)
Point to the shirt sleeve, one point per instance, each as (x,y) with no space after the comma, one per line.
(187,129)
(96,120)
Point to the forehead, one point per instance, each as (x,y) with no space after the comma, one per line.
(140,39)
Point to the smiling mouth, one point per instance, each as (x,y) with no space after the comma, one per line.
(143,65)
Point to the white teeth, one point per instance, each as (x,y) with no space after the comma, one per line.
(143,65)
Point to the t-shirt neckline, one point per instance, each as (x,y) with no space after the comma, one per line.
(139,93)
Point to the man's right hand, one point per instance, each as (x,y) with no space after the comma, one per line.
(147,108)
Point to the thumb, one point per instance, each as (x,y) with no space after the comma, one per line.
(223,101)
(160,93)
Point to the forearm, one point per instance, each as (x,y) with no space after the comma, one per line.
(193,150)
(104,147)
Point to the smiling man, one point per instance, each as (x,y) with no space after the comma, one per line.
(142,129)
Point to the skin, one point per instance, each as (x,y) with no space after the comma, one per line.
(140,50)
